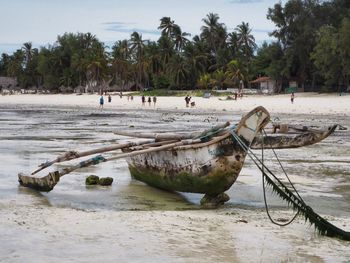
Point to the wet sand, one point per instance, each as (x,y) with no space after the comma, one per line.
(132,222)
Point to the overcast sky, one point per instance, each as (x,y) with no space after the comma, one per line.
(40,21)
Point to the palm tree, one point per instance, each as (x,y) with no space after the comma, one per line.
(28,52)
(166,25)
(213,32)
(219,78)
(66,78)
(196,61)
(30,74)
(166,49)
(234,72)
(246,44)
(88,40)
(204,81)
(15,68)
(120,60)
(232,42)
(153,56)
(4,62)
(96,63)
(179,69)
(137,46)
(245,40)
(78,64)
(179,37)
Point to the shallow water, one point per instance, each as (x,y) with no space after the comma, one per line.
(30,135)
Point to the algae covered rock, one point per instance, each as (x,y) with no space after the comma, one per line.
(211,202)
(92,180)
(105,181)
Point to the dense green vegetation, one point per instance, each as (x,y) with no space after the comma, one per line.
(312,47)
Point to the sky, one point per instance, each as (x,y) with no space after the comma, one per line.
(41,21)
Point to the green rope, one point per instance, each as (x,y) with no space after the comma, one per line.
(280,164)
(264,192)
(322,225)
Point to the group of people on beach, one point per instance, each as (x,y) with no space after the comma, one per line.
(101,99)
(149,100)
(130,98)
(188,101)
(143,100)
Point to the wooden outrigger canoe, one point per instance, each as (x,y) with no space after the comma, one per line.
(209,167)
(207,162)
(293,138)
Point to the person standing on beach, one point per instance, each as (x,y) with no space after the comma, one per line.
(154,101)
(292,97)
(240,89)
(143,100)
(101,102)
(149,101)
(187,99)
(109,98)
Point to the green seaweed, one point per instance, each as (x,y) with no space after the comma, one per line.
(105,181)
(92,180)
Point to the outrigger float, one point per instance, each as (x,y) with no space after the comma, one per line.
(208,162)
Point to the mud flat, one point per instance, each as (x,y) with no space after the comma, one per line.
(132,222)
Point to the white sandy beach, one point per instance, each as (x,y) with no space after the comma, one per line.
(304,103)
(53,227)
(222,235)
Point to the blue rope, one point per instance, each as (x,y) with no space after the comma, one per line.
(94,160)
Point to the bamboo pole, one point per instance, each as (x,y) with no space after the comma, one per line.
(204,144)
(156,136)
(171,136)
(70,155)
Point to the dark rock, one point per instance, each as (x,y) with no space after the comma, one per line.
(214,201)
(105,181)
(92,180)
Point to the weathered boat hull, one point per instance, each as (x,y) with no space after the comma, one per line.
(209,168)
(287,141)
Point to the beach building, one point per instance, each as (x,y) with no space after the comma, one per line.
(265,85)
(294,86)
